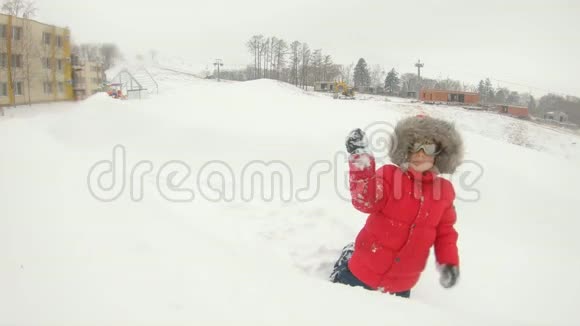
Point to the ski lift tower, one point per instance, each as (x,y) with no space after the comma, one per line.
(419,65)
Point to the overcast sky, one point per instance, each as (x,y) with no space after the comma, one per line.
(533,43)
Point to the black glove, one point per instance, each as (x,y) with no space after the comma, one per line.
(449,275)
(356,142)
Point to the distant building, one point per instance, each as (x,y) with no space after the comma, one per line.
(514,111)
(558,116)
(324,86)
(370,89)
(444,96)
(35,62)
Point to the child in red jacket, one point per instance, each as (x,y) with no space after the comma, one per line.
(410,208)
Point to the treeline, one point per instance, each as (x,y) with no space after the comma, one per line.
(108,53)
(503,95)
(552,102)
(409,82)
(547,103)
(295,62)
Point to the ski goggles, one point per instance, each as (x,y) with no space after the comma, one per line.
(429,149)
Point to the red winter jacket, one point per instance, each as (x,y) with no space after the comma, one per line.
(409,213)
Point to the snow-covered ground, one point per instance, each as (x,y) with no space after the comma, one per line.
(165,258)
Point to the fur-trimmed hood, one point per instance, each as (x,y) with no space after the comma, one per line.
(420,128)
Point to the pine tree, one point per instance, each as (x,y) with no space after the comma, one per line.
(392,81)
(501,95)
(482,91)
(362,77)
(489,91)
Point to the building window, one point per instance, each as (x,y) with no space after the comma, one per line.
(17,61)
(47,88)
(59,64)
(3,89)
(59,41)
(18,89)
(3,60)
(3,31)
(46,38)
(60,87)
(16,33)
(46,63)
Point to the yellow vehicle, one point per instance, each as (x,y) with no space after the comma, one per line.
(343,91)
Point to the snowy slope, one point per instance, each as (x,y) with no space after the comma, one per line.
(67,258)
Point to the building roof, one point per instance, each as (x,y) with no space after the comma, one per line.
(447,91)
(515,106)
(32,20)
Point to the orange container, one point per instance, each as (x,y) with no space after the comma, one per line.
(436,95)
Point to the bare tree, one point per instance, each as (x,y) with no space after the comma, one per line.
(294,63)
(254,45)
(29,52)
(265,49)
(332,72)
(449,84)
(346,73)
(280,56)
(409,83)
(271,55)
(295,60)
(378,75)
(252,48)
(22,52)
(21,44)
(305,56)
(19,8)
(261,50)
(469,88)
(110,53)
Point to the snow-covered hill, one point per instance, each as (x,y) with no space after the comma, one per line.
(68,258)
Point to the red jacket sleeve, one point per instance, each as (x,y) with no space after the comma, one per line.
(366,185)
(446,241)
